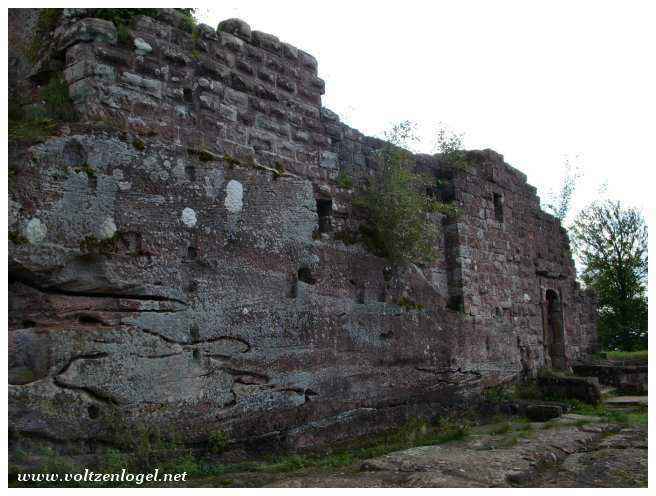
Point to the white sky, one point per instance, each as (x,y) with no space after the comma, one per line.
(534,82)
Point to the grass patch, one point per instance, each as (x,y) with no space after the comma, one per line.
(498,394)
(502,429)
(31,130)
(416,432)
(528,390)
(641,355)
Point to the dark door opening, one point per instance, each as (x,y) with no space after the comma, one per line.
(554,337)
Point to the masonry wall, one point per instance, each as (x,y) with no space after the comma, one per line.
(168,264)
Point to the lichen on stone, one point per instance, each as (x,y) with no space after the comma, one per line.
(35,231)
(234,196)
(188,217)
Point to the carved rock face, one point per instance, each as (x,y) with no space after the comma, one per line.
(184,256)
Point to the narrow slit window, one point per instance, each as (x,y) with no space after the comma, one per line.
(325,212)
(498,207)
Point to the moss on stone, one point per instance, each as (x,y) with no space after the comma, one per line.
(408,304)
(230,160)
(93,245)
(203,154)
(139,144)
(279,170)
(17,238)
(87,169)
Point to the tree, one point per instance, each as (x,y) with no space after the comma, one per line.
(610,242)
(449,145)
(559,203)
(399,224)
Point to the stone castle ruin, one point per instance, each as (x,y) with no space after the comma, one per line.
(182,256)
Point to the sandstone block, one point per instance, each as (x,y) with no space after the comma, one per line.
(236,27)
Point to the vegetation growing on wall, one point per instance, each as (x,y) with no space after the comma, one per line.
(48,19)
(34,121)
(559,203)
(400,227)
(123,17)
(449,145)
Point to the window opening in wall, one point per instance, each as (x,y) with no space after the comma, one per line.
(325,212)
(498,207)
(305,275)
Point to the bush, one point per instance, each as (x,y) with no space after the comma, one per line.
(57,99)
(217,442)
(399,225)
(450,147)
(47,22)
(188,22)
(344,180)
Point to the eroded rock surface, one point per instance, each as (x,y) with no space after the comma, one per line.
(565,456)
(183,256)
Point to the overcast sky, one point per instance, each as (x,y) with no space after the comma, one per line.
(537,83)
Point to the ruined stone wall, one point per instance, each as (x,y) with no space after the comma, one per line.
(168,265)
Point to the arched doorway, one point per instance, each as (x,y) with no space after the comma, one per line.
(554,332)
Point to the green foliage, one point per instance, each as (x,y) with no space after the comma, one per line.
(344,180)
(415,432)
(195,54)
(629,356)
(527,390)
(123,16)
(139,144)
(17,238)
(57,99)
(186,463)
(408,304)
(123,35)
(217,442)
(559,203)
(35,123)
(450,146)
(188,23)
(114,460)
(86,169)
(610,242)
(399,225)
(497,394)
(47,22)
(31,130)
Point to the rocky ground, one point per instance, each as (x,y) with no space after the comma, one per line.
(603,446)
(573,451)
